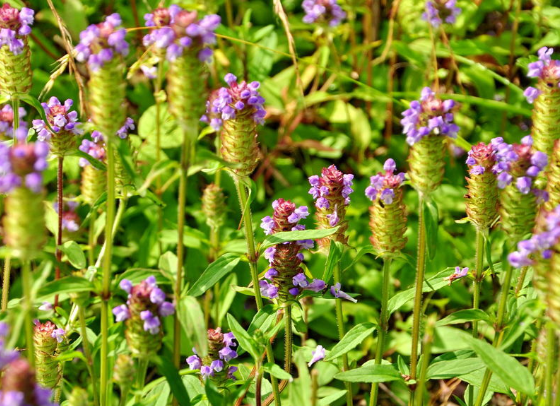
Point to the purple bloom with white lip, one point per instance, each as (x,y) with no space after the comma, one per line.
(166,309)
(206,371)
(440,11)
(151,322)
(317,355)
(126,285)
(323,11)
(60,118)
(101,43)
(121,313)
(58,334)
(128,126)
(339,294)
(179,31)
(228,340)
(227,354)
(194,362)
(15,26)
(429,116)
(531,94)
(458,274)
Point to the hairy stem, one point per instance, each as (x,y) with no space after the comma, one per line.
(87,353)
(91,238)
(550,359)
(59,202)
(6,283)
(253,258)
(157,90)
(383,325)
(420,271)
(428,340)
(479,276)
(340,326)
(27,282)
(140,378)
(107,277)
(288,338)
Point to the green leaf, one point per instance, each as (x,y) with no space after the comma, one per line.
(69,284)
(263,319)
(276,371)
(215,271)
(354,337)
(36,104)
(453,368)
(97,164)
(75,254)
(463,316)
(505,366)
(243,338)
(213,394)
(431,220)
(166,368)
(282,237)
(370,374)
(335,255)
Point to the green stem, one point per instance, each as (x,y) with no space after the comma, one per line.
(258,384)
(383,325)
(478,278)
(252,256)
(157,89)
(550,358)
(140,378)
(340,326)
(107,277)
(288,338)
(521,280)
(91,238)
(557,397)
(498,328)
(190,132)
(6,283)
(420,271)
(426,353)
(27,282)
(60,203)
(87,353)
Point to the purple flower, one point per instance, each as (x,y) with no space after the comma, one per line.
(126,285)
(124,130)
(436,10)
(298,214)
(217,365)
(316,285)
(121,313)
(323,11)
(228,340)
(58,334)
(271,274)
(46,307)
(194,362)
(267,224)
(318,354)
(531,94)
(21,165)
(524,184)
(231,370)
(227,354)
(151,322)
(477,170)
(300,280)
(206,371)
(339,294)
(268,289)
(166,309)
(157,296)
(14,25)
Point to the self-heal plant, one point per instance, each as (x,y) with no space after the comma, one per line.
(323,11)
(94,181)
(7,127)
(441,11)
(545,98)
(15,54)
(48,339)
(217,364)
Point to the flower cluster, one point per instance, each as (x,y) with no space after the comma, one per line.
(331,192)
(128,126)
(100,43)
(19,384)
(545,69)
(540,243)
(70,219)
(458,274)
(239,99)
(22,165)
(429,115)
(220,352)
(519,162)
(383,186)
(179,30)
(327,11)
(285,274)
(62,125)
(481,159)
(440,11)
(15,25)
(146,301)
(95,148)
(7,123)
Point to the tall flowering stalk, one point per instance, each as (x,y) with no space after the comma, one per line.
(21,168)
(426,124)
(144,309)
(216,365)
(482,207)
(48,339)
(388,226)
(331,192)
(60,133)
(238,109)
(545,99)
(103,46)
(186,40)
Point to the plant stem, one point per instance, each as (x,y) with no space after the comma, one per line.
(428,340)
(27,282)
(479,276)
(498,328)
(87,353)
(252,256)
(258,384)
(59,202)
(383,327)
(106,284)
(91,238)
(6,283)
(420,271)
(140,378)
(190,131)
(157,89)
(288,338)
(521,280)
(340,326)
(550,358)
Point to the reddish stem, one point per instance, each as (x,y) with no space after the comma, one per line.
(60,195)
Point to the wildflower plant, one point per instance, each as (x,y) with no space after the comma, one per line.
(439,12)
(323,11)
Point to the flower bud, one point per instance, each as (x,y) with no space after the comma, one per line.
(124,369)
(45,339)
(387,212)
(482,196)
(19,386)
(15,55)
(79,397)
(214,205)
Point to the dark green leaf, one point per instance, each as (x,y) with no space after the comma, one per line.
(215,271)
(354,337)
(94,162)
(244,339)
(453,368)
(431,221)
(166,368)
(280,238)
(335,254)
(370,374)
(463,316)
(74,253)
(276,371)
(69,284)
